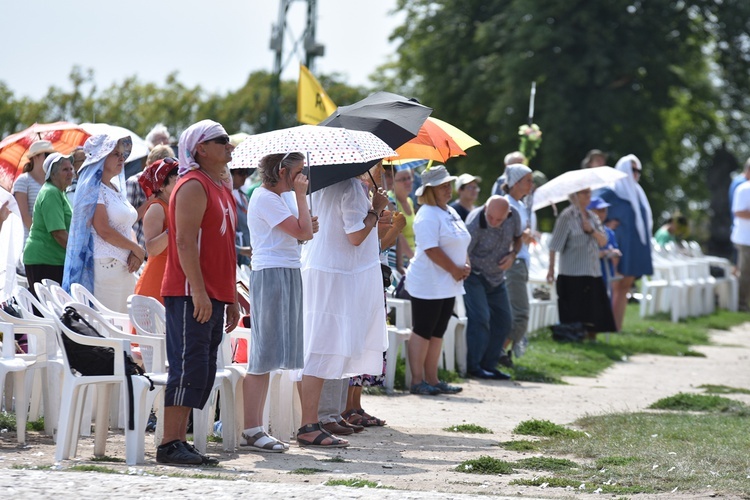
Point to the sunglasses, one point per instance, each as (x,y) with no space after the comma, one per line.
(222,139)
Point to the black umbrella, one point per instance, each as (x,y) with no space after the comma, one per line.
(394,119)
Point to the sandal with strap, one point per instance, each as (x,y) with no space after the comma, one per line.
(263,442)
(353,418)
(369,420)
(322,436)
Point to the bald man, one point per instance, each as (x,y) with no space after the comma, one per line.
(496,233)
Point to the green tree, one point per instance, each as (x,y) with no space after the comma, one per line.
(652,78)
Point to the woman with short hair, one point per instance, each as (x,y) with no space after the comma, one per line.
(279,221)
(27,186)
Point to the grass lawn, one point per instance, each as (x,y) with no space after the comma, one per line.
(548,361)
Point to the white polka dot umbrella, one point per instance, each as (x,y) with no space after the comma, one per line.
(324,147)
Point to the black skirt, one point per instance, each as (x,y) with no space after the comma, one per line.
(585,299)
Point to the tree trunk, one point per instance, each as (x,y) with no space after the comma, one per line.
(724,163)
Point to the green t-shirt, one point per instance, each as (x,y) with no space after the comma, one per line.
(663,237)
(52,212)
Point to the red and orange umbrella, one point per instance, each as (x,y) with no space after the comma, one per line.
(64,136)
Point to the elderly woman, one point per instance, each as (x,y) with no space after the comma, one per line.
(157,181)
(279,221)
(27,186)
(434,278)
(102,254)
(629,205)
(581,293)
(344,321)
(44,254)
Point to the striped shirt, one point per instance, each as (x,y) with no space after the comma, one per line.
(579,252)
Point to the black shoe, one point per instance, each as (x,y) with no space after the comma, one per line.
(498,375)
(482,374)
(151,424)
(205,459)
(175,452)
(506,359)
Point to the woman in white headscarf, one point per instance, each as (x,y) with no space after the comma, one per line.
(629,205)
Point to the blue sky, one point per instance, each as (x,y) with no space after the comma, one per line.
(215,44)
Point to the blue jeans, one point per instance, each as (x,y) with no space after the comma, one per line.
(489,322)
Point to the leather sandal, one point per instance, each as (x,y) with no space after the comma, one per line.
(355,427)
(369,420)
(270,443)
(317,442)
(336,428)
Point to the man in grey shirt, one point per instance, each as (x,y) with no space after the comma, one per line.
(496,231)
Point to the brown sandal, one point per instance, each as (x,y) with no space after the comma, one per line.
(369,420)
(317,442)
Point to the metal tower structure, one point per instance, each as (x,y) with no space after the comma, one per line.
(311,48)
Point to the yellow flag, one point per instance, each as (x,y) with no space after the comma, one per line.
(313,104)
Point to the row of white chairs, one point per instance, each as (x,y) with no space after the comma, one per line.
(69,416)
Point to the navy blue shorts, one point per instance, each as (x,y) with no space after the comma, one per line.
(191,352)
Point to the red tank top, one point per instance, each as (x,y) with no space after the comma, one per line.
(216,239)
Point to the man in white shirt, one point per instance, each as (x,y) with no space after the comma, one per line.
(741,236)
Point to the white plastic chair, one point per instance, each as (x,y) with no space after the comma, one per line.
(147,316)
(226,384)
(455,349)
(74,388)
(397,338)
(82,295)
(10,363)
(281,415)
(46,380)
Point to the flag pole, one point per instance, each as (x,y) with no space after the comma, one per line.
(532,98)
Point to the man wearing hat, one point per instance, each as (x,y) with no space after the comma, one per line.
(518,185)
(467,187)
(495,230)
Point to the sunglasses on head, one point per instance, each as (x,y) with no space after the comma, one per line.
(222,139)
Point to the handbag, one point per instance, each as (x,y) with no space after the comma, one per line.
(568,332)
(387,275)
(96,360)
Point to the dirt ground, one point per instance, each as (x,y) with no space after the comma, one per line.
(412,453)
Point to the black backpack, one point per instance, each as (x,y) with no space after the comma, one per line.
(96,360)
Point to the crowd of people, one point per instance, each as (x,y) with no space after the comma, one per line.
(184,224)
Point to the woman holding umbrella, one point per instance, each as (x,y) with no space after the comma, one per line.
(344,323)
(581,293)
(629,205)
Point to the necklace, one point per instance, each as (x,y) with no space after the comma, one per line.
(218,183)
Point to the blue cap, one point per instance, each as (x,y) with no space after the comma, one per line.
(597,203)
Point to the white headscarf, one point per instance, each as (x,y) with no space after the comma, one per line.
(628,189)
(196,133)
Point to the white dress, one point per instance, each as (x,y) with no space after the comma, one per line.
(344,318)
